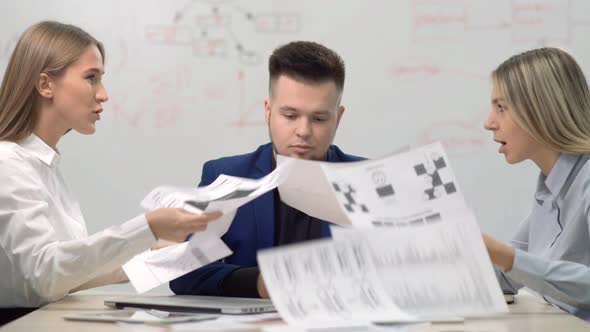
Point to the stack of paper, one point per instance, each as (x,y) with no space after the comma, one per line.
(415,252)
(407,248)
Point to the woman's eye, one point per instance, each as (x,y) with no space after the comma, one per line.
(91,78)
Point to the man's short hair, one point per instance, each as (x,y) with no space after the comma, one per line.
(308,62)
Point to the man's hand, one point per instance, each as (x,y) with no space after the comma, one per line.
(261,287)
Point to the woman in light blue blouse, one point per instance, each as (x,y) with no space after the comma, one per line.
(541,112)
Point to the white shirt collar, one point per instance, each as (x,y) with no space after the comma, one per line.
(38,148)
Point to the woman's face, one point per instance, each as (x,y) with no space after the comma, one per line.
(515,143)
(79,93)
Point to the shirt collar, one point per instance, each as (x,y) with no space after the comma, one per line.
(35,146)
(551,185)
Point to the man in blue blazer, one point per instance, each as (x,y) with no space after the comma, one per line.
(302,113)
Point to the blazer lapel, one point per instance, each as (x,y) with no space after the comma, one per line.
(264,205)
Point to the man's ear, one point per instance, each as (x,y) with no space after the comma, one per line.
(341,110)
(267,110)
(44,86)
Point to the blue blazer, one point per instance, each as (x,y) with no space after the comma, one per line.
(253,226)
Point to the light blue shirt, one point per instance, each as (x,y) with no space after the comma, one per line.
(553,243)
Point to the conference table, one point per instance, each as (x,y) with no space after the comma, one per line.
(528,313)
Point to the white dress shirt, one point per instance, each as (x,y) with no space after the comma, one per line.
(553,243)
(46,251)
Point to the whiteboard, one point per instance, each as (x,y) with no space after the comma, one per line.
(187,80)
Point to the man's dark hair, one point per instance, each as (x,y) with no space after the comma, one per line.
(308,62)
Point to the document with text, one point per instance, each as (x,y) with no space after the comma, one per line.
(225,194)
(410,250)
(427,271)
(416,186)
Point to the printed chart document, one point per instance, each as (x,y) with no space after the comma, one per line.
(414,251)
(420,272)
(416,186)
(226,194)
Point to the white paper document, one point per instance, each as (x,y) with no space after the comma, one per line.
(230,323)
(226,194)
(398,327)
(430,270)
(416,186)
(153,268)
(414,251)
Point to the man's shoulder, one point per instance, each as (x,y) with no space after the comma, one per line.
(337,155)
(239,165)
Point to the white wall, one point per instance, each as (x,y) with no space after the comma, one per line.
(181,92)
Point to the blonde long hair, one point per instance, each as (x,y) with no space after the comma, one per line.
(548,95)
(46,47)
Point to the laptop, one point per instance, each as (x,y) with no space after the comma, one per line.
(194,303)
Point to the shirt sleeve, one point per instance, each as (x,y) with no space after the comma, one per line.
(564,281)
(114,277)
(49,262)
(520,240)
(506,283)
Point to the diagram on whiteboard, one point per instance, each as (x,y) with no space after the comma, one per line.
(210,29)
(536,23)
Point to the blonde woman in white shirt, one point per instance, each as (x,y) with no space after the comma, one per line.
(52,84)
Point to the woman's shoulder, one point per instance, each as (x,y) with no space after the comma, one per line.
(20,168)
(9,149)
(580,183)
(12,155)
(584,173)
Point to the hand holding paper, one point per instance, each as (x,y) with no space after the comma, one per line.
(225,194)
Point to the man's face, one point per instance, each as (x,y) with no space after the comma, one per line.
(302,118)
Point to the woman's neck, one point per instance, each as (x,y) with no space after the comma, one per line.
(546,160)
(47,128)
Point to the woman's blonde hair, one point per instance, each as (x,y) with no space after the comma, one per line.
(547,93)
(46,47)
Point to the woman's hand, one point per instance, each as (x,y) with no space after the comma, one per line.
(501,254)
(176,224)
